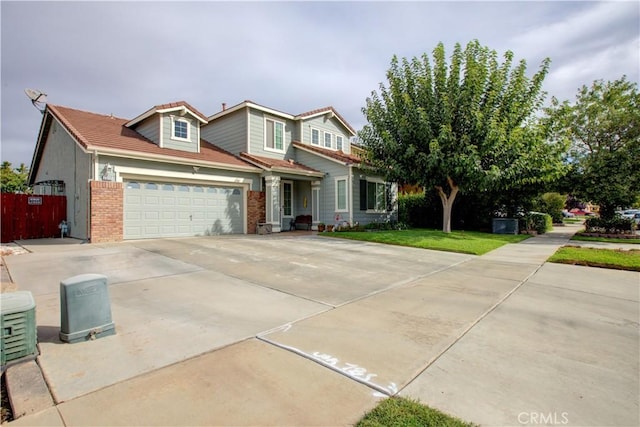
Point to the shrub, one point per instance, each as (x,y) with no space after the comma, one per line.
(536,221)
(412,208)
(553,204)
(617,225)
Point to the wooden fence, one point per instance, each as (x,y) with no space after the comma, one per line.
(26,216)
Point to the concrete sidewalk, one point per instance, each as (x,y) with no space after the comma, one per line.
(500,339)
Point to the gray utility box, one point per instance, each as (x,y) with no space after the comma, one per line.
(85,309)
(19,334)
(505,226)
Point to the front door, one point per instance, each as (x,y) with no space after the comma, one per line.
(287,204)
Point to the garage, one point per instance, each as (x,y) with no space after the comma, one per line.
(168,209)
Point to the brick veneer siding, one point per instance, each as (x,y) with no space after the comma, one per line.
(107,203)
(256,210)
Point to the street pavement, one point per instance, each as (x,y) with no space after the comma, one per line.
(306,330)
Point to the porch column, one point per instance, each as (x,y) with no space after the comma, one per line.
(315,204)
(273,214)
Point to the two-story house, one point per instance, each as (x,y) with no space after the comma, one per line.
(172,171)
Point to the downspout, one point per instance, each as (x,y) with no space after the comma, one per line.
(350,194)
(248,130)
(93,177)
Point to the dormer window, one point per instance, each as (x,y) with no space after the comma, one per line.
(180,129)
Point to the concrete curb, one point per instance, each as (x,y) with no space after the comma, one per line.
(27,390)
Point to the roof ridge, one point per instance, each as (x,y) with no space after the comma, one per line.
(110,115)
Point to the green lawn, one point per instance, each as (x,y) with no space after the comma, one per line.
(605,239)
(401,412)
(606,258)
(466,242)
(573,220)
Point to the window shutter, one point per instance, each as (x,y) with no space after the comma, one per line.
(363,194)
(389,195)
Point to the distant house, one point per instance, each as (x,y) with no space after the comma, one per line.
(172,171)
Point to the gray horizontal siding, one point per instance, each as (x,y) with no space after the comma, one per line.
(150,129)
(228,132)
(257,125)
(364,217)
(328,187)
(203,173)
(167,132)
(62,159)
(332,126)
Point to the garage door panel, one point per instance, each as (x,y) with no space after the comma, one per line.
(150,215)
(168,215)
(160,209)
(132,216)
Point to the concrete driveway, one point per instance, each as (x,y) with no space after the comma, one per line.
(308,330)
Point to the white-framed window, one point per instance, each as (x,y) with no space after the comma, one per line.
(315,136)
(341,194)
(328,140)
(339,144)
(273,135)
(376,196)
(180,129)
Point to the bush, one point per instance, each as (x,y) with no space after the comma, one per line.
(412,208)
(553,204)
(384,226)
(536,221)
(616,225)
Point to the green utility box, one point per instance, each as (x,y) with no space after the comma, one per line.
(85,310)
(19,336)
(505,226)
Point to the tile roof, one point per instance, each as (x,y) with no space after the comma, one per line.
(336,155)
(97,131)
(181,104)
(270,163)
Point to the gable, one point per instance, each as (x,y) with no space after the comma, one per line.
(104,134)
(330,132)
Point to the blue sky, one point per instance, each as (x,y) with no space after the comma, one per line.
(122,58)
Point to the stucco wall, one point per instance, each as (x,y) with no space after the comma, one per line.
(64,160)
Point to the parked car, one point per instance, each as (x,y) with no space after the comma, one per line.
(636,218)
(630,213)
(567,214)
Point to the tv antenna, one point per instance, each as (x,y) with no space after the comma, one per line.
(38,98)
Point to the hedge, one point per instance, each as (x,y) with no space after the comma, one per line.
(616,225)
(536,221)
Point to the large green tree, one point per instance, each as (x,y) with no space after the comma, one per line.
(13,180)
(603,126)
(467,125)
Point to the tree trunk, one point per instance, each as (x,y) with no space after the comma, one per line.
(447,204)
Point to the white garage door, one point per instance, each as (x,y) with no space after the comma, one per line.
(163,209)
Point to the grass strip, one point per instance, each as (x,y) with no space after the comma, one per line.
(403,412)
(605,239)
(604,258)
(466,242)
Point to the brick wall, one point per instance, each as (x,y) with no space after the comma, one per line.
(256,210)
(106,222)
